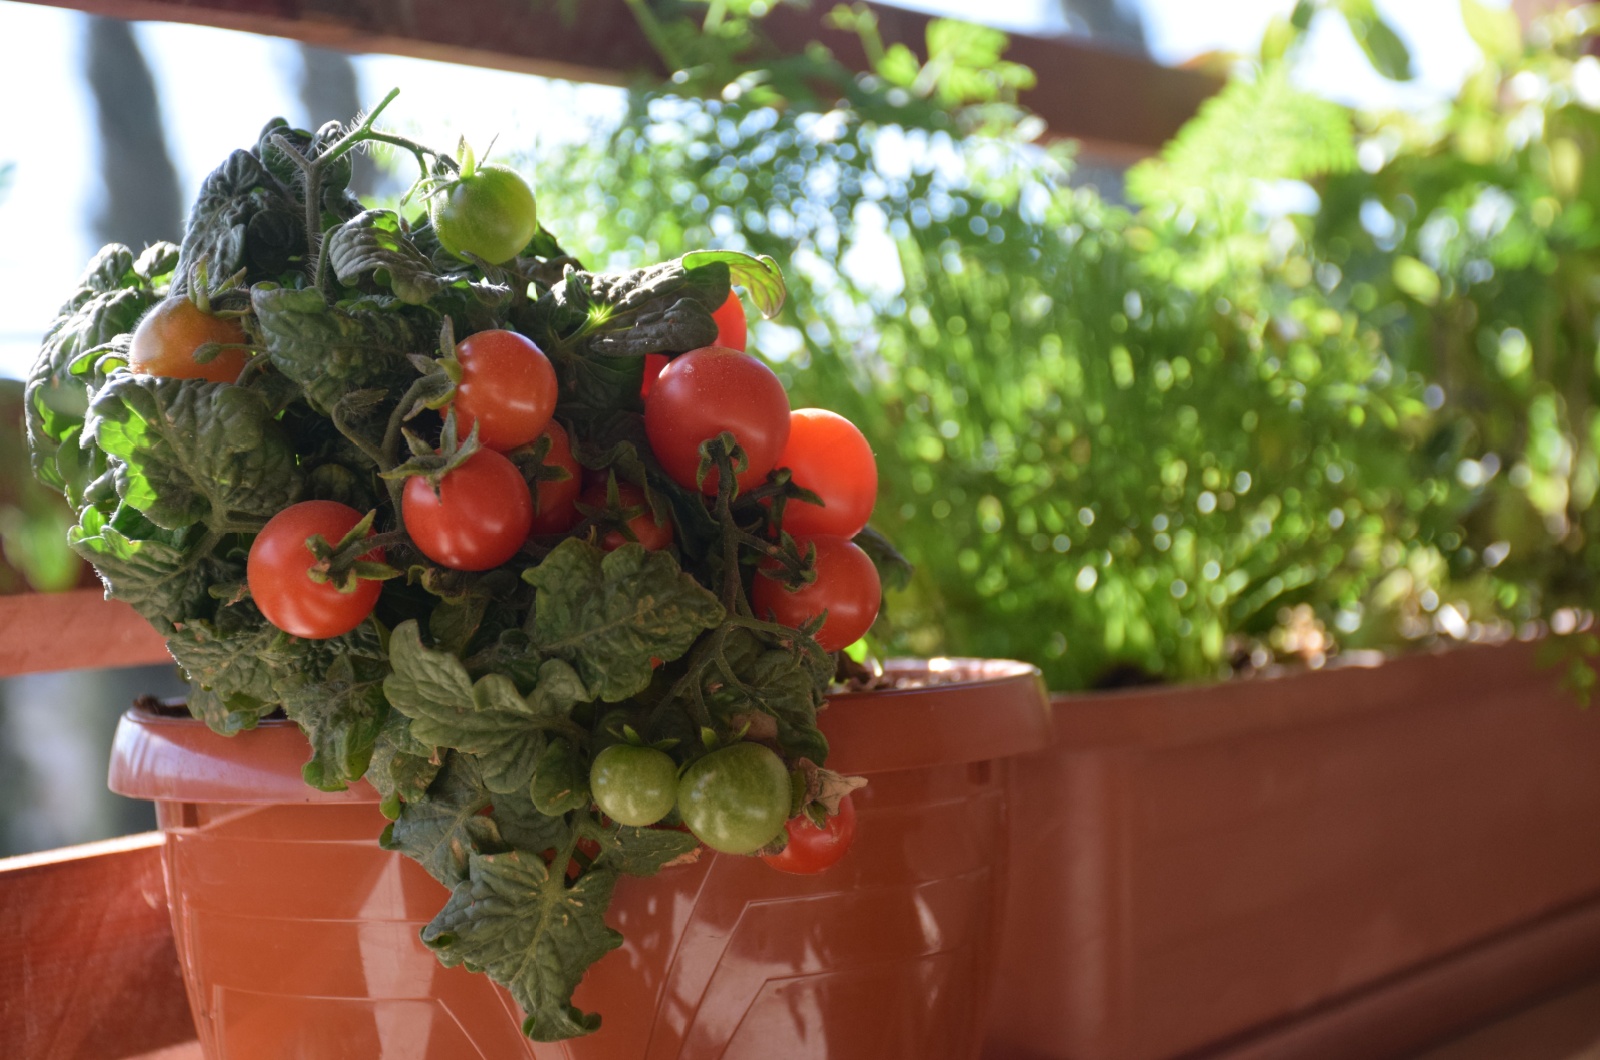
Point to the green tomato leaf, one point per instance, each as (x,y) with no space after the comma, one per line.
(445,826)
(243,218)
(372,243)
(231,667)
(684,325)
(156,571)
(187,451)
(608,613)
(489,717)
(522,825)
(641,851)
(784,685)
(511,653)
(560,781)
(531,932)
(585,303)
(402,766)
(586,322)
(893,569)
(758,275)
(343,710)
(455,620)
(331,351)
(111,297)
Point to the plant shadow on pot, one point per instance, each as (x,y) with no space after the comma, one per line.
(299,934)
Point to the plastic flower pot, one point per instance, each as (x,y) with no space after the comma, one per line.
(299,934)
(1349,862)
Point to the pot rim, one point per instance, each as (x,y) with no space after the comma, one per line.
(978,710)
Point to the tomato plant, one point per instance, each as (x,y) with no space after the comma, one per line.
(634,511)
(488,211)
(554,510)
(634,785)
(846,587)
(478,518)
(507,388)
(707,391)
(827,455)
(811,849)
(736,798)
(481,692)
(279,573)
(167,337)
(732,331)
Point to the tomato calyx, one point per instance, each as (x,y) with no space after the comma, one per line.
(341,564)
(437,379)
(433,463)
(621,512)
(534,461)
(724,455)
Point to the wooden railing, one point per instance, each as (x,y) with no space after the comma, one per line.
(1119,105)
(87,956)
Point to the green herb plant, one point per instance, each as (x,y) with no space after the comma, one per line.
(474,701)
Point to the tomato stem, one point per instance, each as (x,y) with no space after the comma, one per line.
(733,598)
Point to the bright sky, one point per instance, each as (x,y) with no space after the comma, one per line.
(51,137)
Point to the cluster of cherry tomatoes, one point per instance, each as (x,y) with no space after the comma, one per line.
(735,799)
(478,514)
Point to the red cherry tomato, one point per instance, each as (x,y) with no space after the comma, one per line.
(652,535)
(168,335)
(653,364)
(507,388)
(479,517)
(707,391)
(554,510)
(831,458)
(847,588)
(812,849)
(732,331)
(279,566)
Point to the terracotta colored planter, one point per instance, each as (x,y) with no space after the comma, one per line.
(299,933)
(1202,866)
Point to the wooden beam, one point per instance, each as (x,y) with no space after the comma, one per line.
(77,630)
(1528,10)
(91,969)
(1119,104)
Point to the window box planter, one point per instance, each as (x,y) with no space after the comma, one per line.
(1349,862)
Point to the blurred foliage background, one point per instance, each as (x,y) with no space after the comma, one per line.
(1327,383)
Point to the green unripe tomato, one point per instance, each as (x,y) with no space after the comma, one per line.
(488,212)
(735,799)
(633,785)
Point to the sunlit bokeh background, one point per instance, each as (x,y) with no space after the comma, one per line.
(72,83)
